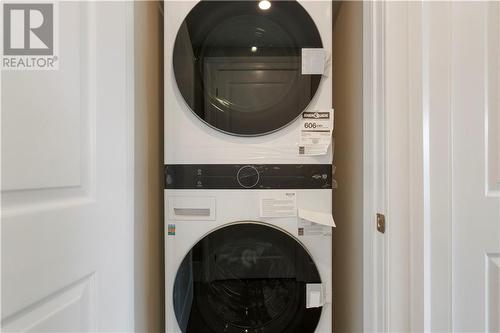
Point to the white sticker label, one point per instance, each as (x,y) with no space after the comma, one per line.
(313,61)
(315,295)
(315,132)
(308,228)
(278,204)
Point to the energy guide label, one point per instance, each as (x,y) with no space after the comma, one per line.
(315,132)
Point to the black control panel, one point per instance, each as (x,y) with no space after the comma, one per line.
(248,176)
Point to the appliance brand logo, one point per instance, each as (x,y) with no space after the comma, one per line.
(30,36)
(316,115)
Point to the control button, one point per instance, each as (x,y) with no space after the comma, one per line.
(248,176)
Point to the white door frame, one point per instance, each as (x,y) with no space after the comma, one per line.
(374,251)
(393,270)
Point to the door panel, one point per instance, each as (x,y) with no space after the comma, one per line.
(492,292)
(67,206)
(68,310)
(28,164)
(33,155)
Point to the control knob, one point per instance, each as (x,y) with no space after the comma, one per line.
(248,176)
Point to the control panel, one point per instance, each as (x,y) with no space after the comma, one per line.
(252,176)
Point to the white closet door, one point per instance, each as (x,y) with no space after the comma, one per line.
(67,181)
(461,105)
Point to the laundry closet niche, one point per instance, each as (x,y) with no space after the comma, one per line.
(347,198)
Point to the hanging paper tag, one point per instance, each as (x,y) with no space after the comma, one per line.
(313,61)
(315,132)
(317,217)
(278,204)
(311,223)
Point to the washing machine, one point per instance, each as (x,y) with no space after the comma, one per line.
(247,251)
(248,82)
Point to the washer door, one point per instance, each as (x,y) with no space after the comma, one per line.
(246,277)
(238,64)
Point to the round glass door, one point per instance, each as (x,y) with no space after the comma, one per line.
(246,277)
(238,64)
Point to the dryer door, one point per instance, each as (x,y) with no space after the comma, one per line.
(246,277)
(238,64)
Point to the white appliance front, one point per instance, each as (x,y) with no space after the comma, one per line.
(193,215)
(235,85)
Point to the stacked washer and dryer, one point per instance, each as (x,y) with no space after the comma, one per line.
(242,250)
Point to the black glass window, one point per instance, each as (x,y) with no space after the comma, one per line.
(246,277)
(238,64)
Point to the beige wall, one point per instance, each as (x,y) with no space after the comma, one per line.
(148,235)
(348,158)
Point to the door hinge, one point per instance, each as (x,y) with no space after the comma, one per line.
(381,223)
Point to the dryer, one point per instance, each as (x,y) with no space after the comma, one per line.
(239,259)
(238,76)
